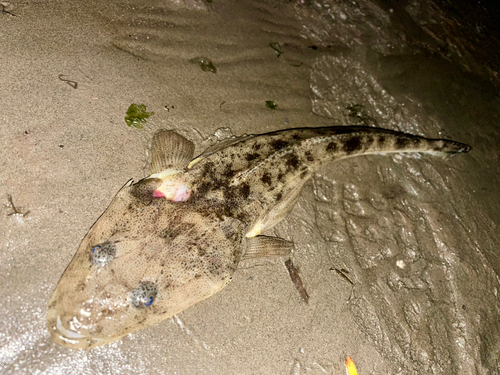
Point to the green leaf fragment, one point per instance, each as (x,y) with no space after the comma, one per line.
(277,48)
(271,104)
(205,64)
(137,115)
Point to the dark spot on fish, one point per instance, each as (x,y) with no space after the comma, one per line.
(369,140)
(197,275)
(144,189)
(256,146)
(208,168)
(229,195)
(245,190)
(309,156)
(228,172)
(303,174)
(278,144)
(243,217)
(381,140)
(201,252)
(280,177)
(352,145)
(174,230)
(279,196)
(292,161)
(215,268)
(438,148)
(251,157)
(402,142)
(228,230)
(296,137)
(266,178)
(331,147)
(204,188)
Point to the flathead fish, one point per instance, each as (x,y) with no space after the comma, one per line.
(176,237)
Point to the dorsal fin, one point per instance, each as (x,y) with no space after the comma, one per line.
(170,150)
(219,146)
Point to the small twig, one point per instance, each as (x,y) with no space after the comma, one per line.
(69,82)
(15,210)
(3,11)
(277,48)
(342,272)
(297,281)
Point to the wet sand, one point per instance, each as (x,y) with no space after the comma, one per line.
(418,236)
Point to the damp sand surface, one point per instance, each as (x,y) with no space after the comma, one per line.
(399,256)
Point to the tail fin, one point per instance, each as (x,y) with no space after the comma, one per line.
(445,147)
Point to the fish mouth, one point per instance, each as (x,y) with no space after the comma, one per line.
(70,338)
(66,334)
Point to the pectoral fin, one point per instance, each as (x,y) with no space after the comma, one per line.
(170,150)
(279,211)
(264,246)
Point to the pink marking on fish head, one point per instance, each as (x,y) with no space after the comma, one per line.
(182,195)
(158,194)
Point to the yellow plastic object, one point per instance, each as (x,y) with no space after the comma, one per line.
(350,366)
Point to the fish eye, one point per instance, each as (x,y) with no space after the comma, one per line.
(102,254)
(144,294)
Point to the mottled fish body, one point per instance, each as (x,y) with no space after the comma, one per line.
(177,236)
(254,173)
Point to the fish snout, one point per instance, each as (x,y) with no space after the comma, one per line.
(81,324)
(64,332)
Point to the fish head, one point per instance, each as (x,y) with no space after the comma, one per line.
(143,261)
